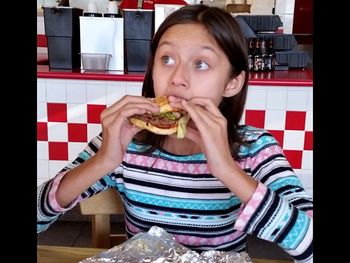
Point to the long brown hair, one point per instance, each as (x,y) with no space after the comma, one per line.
(227,33)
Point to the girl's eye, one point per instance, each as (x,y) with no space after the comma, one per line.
(168,60)
(201,65)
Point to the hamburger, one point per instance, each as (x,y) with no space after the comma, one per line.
(167,121)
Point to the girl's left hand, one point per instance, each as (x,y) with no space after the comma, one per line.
(211,134)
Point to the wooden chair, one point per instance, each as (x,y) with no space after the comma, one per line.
(101,207)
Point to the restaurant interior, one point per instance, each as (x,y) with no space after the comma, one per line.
(74,229)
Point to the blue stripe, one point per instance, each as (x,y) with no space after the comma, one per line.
(173,202)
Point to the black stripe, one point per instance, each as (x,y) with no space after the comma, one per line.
(93,147)
(289,226)
(306,254)
(274,171)
(267,161)
(79,160)
(177,189)
(302,201)
(287,189)
(207,232)
(269,212)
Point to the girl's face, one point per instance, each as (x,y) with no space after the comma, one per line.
(189,63)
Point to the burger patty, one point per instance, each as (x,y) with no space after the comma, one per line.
(156,120)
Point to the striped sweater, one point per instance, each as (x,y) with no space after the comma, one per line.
(179,194)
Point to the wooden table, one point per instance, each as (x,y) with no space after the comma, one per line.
(54,254)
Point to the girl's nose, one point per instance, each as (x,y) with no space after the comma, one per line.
(179,77)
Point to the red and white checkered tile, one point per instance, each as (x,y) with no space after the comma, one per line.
(69,116)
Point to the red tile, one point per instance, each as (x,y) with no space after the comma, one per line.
(255,118)
(309,140)
(295,120)
(294,157)
(58,151)
(57,112)
(77,132)
(93,113)
(41,131)
(279,135)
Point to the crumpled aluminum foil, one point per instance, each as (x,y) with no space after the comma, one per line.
(158,246)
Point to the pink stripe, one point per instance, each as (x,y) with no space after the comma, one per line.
(247,210)
(167,165)
(52,195)
(132,228)
(310,213)
(263,155)
(200,241)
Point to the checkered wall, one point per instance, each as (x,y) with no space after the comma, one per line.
(68,117)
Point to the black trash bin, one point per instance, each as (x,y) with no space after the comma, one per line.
(63,36)
(138,32)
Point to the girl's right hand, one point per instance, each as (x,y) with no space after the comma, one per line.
(117,132)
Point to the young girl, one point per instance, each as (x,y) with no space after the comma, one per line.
(211,188)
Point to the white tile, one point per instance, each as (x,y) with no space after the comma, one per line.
(293,140)
(76,91)
(41,50)
(275,120)
(289,6)
(40,26)
(74,148)
(41,89)
(310,99)
(55,167)
(96,93)
(41,112)
(306,179)
(43,169)
(134,88)
(297,99)
(77,113)
(42,150)
(93,130)
(276,98)
(57,132)
(256,98)
(309,121)
(115,91)
(56,91)
(307,160)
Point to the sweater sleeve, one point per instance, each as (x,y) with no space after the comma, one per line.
(280,210)
(48,209)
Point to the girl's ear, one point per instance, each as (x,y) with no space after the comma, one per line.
(235,85)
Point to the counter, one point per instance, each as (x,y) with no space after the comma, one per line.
(295,77)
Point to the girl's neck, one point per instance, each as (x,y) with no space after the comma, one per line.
(180,146)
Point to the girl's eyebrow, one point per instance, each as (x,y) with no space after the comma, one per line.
(206,47)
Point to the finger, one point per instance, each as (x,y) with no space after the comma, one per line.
(208,104)
(198,114)
(135,101)
(119,117)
